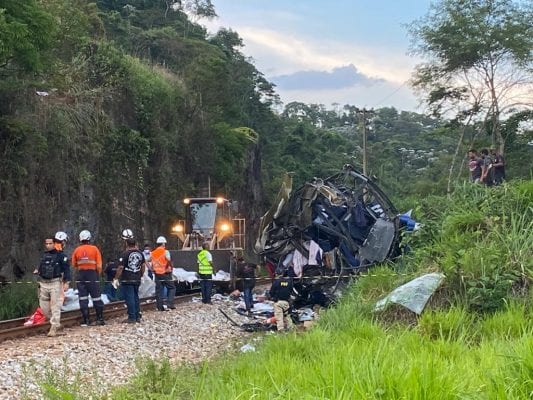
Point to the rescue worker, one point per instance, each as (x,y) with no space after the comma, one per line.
(280,293)
(162,267)
(130,270)
(87,260)
(110,270)
(246,273)
(53,270)
(205,271)
(148,260)
(60,240)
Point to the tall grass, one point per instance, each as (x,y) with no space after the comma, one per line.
(363,361)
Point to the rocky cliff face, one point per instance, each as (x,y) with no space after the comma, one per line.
(69,194)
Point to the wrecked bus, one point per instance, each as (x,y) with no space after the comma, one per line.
(329,229)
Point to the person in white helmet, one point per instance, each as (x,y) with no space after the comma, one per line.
(162,267)
(87,260)
(130,270)
(60,239)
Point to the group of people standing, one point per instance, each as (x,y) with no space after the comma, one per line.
(54,277)
(485,168)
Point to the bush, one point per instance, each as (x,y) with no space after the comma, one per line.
(18,300)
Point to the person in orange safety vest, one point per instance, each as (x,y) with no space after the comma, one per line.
(87,261)
(162,267)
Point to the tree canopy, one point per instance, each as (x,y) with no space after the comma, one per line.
(479,59)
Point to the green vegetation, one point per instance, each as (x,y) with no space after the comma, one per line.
(18,300)
(474,340)
(112,110)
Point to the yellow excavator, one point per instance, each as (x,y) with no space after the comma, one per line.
(213,220)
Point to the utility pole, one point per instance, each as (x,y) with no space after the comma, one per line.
(364,144)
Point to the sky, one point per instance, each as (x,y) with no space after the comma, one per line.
(324,52)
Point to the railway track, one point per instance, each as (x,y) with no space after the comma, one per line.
(15,329)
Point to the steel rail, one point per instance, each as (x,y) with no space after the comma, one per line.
(15,329)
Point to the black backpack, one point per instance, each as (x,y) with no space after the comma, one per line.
(50,266)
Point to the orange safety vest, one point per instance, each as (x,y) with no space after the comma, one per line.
(87,256)
(160,263)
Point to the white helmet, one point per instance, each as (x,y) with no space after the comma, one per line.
(161,240)
(85,235)
(127,234)
(61,236)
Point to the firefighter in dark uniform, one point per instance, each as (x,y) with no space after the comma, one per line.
(280,293)
(87,261)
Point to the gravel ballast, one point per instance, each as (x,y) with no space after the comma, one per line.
(102,356)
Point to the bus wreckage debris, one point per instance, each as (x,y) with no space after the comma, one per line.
(330,229)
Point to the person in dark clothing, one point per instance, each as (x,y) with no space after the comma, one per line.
(246,273)
(280,293)
(498,167)
(53,271)
(486,168)
(131,265)
(110,270)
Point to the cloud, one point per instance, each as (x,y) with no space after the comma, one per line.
(378,95)
(338,78)
(314,69)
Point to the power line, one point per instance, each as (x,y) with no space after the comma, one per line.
(391,94)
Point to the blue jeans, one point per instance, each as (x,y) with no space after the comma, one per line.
(163,282)
(131,297)
(110,291)
(206,286)
(248,298)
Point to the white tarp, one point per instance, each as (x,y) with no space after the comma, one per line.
(221,276)
(184,276)
(72,301)
(414,294)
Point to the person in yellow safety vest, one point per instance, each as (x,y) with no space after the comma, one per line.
(205,271)
(162,267)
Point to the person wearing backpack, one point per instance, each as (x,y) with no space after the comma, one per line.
(162,268)
(53,272)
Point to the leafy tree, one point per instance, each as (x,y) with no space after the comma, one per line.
(26,32)
(479,59)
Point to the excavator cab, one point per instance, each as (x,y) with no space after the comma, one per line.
(213,220)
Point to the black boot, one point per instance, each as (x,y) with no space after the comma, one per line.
(85,317)
(99,315)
